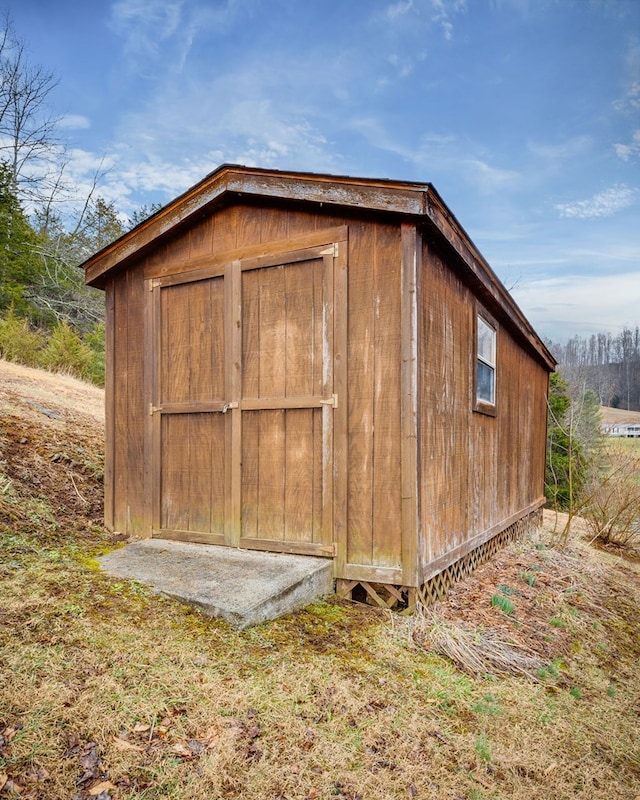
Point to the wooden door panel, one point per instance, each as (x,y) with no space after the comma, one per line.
(189,428)
(286,375)
(242,403)
(282,475)
(192,342)
(192,464)
(282,336)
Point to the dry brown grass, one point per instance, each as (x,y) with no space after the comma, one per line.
(108,687)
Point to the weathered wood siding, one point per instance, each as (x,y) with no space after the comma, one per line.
(125,417)
(476,471)
(373,331)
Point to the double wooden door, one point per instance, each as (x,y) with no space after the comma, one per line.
(243,402)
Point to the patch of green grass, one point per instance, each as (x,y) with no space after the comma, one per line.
(488,705)
(503,603)
(483,748)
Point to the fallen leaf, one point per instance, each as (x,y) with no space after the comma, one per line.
(11,787)
(553,765)
(37,774)
(141,727)
(3,779)
(99,788)
(123,744)
(182,750)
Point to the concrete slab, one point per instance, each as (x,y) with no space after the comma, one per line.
(244,587)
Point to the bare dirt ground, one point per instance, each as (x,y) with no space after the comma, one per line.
(52,441)
(108,691)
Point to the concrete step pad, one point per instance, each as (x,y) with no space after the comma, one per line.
(244,587)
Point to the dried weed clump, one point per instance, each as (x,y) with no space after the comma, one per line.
(477,651)
(612,511)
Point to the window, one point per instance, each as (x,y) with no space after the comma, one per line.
(485,366)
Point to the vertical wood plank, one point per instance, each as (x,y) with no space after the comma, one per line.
(272,332)
(271,471)
(298,471)
(151,354)
(135,400)
(121,406)
(219,458)
(360,321)
(200,472)
(233,382)
(155,418)
(340,475)
(110,392)
(274,225)
(176,461)
(299,316)
(410,270)
(200,238)
(176,342)
(200,341)
(387,504)
(250,473)
(328,355)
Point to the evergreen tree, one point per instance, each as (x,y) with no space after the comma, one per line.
(18,266)
(573,439)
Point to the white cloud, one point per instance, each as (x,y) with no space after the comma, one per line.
(631,150)
(560,151)
(145,25)
(442,12)
(580,304)
(74,122)
(629,103)
(603,204)
(398,9)
(488,179)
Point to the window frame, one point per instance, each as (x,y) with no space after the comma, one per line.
(481,405)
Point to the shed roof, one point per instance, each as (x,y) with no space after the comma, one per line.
(419,202)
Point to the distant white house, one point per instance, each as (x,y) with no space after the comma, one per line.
(626,430)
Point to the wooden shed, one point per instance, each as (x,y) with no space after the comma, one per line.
(323,365)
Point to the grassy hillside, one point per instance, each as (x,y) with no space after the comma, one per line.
(619,416)
(109,691)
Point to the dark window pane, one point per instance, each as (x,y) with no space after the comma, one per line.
(486,383)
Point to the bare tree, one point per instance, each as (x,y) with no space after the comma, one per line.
(28,131)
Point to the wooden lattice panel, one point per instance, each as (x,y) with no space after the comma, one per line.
(405,598)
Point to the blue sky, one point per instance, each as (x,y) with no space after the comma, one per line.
(524,114)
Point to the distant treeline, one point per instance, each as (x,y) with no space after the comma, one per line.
(606,364)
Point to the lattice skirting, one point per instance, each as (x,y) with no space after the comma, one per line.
(405,598)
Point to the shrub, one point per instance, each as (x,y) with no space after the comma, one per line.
(613,508)
(572,441)
(18,342)
(95,341)
(66,352)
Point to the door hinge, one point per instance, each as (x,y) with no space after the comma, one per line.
(331,401)
(153,409)
(330,549)
(227,406)
(333,250)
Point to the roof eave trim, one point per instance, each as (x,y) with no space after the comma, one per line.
(392,197)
